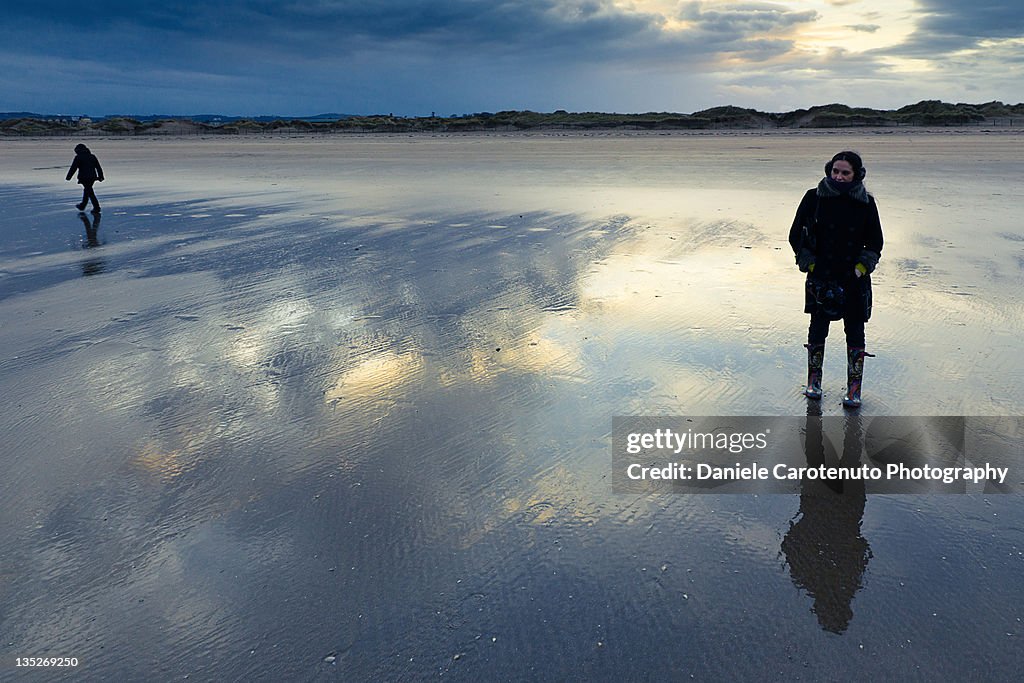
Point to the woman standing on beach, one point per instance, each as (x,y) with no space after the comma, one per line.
(89,171)
(837,239)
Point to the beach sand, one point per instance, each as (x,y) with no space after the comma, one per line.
(343,405)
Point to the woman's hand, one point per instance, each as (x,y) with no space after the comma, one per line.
(805,260)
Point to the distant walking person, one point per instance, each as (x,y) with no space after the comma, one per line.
(837,239)
(89,171)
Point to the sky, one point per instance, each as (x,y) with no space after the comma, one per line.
(418,57)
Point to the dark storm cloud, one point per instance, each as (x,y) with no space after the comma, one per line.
(306,55)
(307,26)
(582,30)
(951,25)
(313,54)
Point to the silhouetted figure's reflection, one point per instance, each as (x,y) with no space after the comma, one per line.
(824,549)
(93,266)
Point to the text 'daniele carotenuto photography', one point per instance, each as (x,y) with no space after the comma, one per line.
(522,341)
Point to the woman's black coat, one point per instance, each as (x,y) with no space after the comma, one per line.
(836,231)
(88,167)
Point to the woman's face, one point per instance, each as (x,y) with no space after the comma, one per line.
(842,171)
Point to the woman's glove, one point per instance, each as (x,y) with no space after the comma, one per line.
(867,260)
(805,260)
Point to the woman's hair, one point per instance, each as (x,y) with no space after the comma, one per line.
(81,149)
(851,158)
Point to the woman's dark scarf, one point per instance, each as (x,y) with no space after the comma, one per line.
(832,188)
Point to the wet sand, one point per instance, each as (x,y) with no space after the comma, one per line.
(342,407)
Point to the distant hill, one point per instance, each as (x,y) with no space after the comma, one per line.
(220,118)
(25,115)
(202,118)
(924,113)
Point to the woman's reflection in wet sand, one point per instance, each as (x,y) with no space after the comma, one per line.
(92,266)
(824,548)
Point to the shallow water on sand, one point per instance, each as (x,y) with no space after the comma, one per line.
(301,407)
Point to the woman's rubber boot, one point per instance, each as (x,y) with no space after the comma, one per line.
(854,375)
(815,359)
